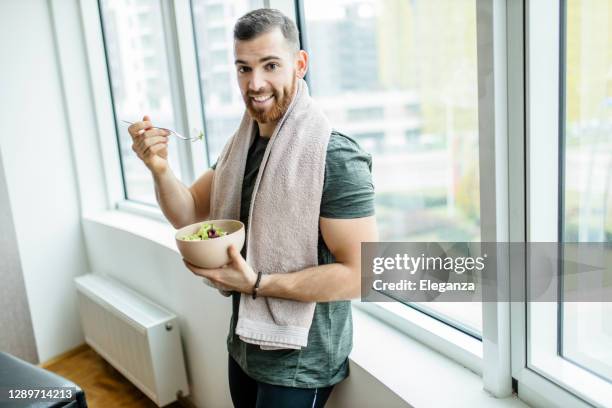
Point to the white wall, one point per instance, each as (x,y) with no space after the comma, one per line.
(40,174)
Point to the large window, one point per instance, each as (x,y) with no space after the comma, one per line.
(137,61)
(587,170)
(213,22)
(568,341)
(400,77)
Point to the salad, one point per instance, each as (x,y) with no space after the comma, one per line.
(206,231)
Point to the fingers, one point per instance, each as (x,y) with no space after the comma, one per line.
(154,149)
(143,144)
(235,254)
(148,140)
(155,132)
(212,274)
(153,141)
(141,129)
(140,135)
(232,251)
(151,137)
(136,129)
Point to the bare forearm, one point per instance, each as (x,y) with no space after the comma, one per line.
(324,283)
(175,199)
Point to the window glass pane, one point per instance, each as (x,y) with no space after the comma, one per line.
(140,83)
(223,106)
(401,78)
(587,169)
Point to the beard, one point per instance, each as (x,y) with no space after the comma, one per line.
(274,113)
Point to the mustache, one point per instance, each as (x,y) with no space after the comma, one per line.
(261,93)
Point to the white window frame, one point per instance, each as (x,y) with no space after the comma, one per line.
(180,46)
(545,378)
(493,66)
(103,104)
(491,357)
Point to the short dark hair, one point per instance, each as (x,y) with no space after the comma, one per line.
(264,20)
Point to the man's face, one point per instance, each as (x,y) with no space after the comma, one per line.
(267,70)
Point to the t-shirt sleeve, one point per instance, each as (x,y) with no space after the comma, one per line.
(348,191)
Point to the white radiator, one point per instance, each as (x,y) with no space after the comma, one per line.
(138,337)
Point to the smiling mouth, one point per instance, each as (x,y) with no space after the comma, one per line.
(261,99)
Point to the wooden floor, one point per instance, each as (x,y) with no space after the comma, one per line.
(104,386)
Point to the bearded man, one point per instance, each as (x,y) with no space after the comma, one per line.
(304,192)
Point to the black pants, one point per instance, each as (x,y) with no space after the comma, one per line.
(248,393)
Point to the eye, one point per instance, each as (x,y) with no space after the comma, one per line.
(242,69)
(271,66)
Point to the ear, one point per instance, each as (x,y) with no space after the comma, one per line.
(301,63)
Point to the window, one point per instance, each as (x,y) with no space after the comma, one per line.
(140,83)
(414,64)
(369,113)
(223,104)
(216,35)
(215,10)
(569,171)
(587,171)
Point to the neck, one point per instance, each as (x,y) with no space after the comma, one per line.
(266,129)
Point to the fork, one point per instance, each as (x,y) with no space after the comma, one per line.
(175,133)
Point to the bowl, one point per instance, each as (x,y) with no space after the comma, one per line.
(210,253)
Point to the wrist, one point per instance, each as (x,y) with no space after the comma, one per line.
(160,174)
(256,285)
(265,285)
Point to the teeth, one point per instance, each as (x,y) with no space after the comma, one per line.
(262,98)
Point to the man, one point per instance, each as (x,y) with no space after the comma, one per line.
(269,63)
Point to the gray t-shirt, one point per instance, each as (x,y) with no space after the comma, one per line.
(348,192)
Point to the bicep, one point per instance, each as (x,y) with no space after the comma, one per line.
(200,190)
(344,236)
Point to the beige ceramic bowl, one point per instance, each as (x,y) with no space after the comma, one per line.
(210,253)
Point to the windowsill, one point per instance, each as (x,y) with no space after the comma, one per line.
(140,225)
(416,373)
(428,374)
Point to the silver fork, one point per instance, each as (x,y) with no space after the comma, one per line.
(175,133)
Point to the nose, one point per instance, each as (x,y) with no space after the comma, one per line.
(256,82)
